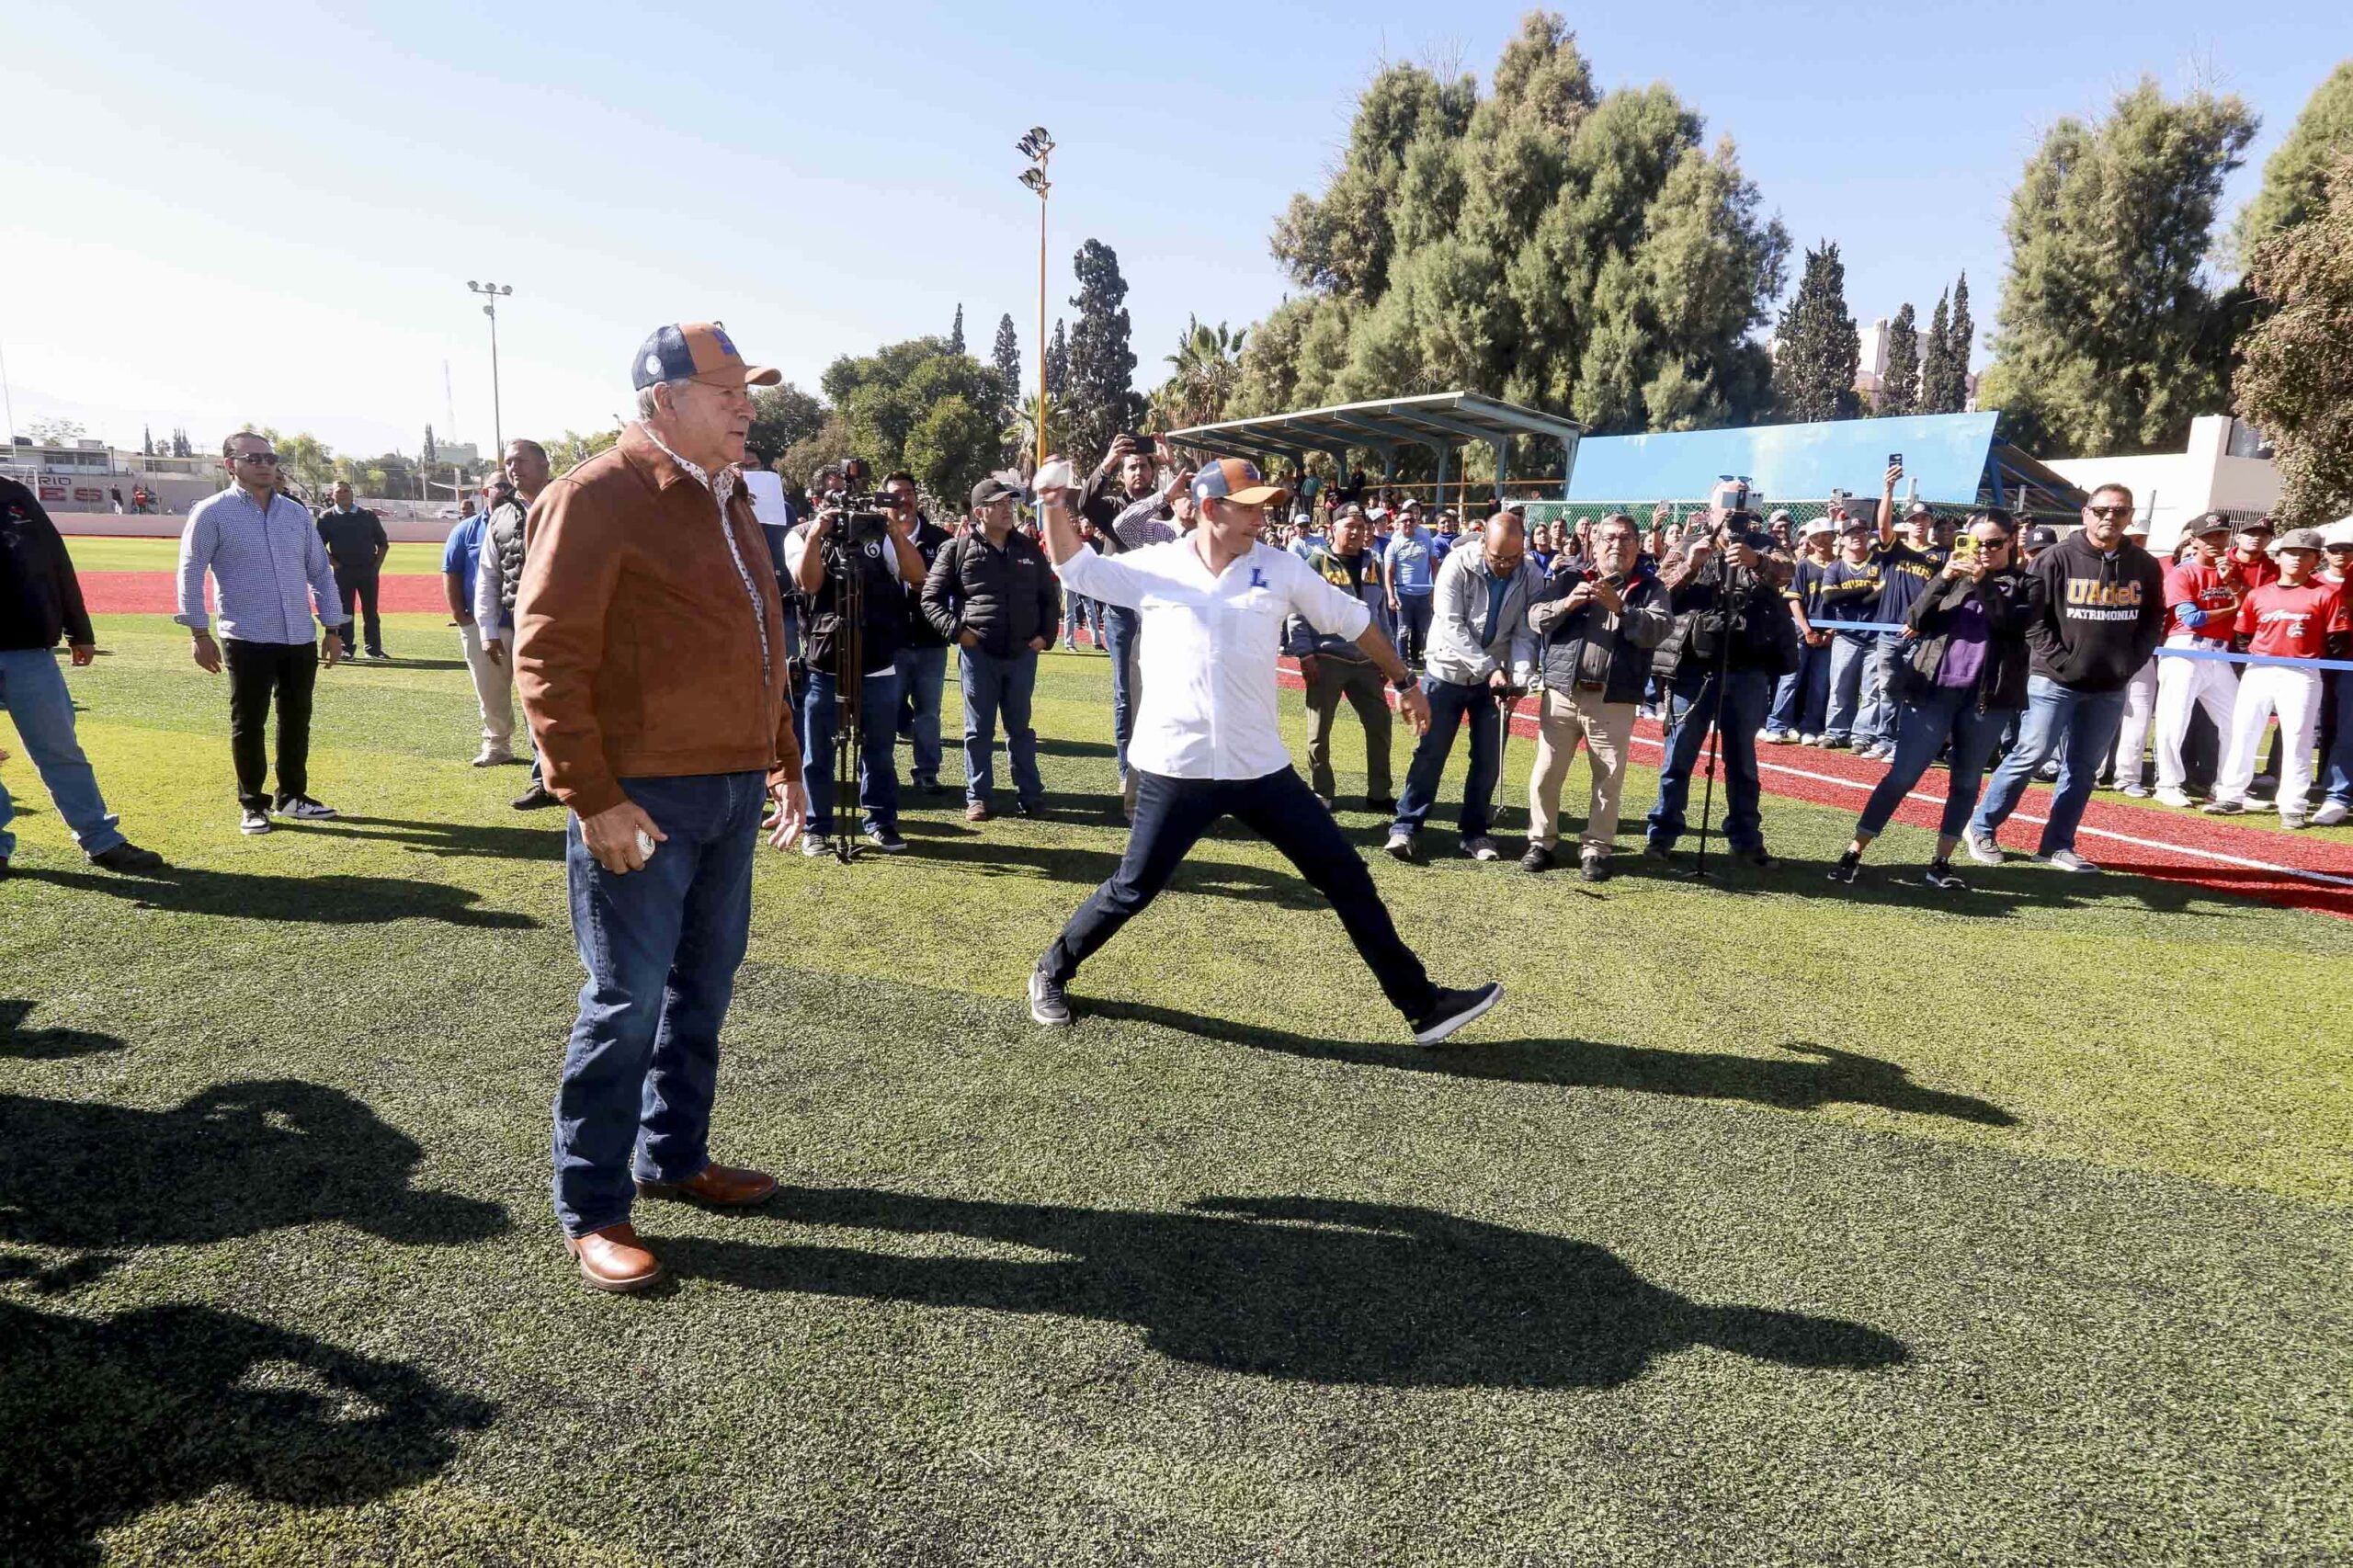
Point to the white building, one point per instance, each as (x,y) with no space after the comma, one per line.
(2223,470)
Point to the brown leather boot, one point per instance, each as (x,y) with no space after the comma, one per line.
(612,1259)
(721,1187)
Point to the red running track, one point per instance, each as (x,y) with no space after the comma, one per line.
(154,593)
(2298,870)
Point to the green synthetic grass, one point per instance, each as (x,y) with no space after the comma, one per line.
(1765,1222)
(101,552)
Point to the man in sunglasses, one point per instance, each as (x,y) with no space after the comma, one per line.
(2102,614)
(270,575)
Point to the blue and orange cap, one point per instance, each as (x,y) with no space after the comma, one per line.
(1236,480)
(696,351)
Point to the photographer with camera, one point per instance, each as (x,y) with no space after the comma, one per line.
(1733,638)
(993,594)
(923,658)
(1600,625)
(1481,656)
(1962,681)
(852,530)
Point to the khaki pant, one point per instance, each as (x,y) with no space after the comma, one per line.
(1361,684)
(493,689)
(1605,727)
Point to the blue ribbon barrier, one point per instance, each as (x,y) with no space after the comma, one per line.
(2216,655)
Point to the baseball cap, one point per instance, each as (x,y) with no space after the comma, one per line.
(1816,528)
(1919,509)
(2257,525)
(1377,514)
(1780,515)
(1853,526)
(1236,480)
(2213,523)
(1410,504)
(2042,535)
(2297,539)
(2339,535)
(994,489)
(696,351)
(2137,525)
(1351,510)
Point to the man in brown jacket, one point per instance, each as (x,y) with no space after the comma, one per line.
(649,650)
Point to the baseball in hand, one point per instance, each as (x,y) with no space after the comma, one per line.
(646,844)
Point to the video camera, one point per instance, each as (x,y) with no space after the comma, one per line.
(1735,498)
(864,513)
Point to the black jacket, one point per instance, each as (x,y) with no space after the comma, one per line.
(1763,635)
(2103,614)
(1644,625)
(40,599)
(1007,596)
(929,539)
(885,622)
(2013,601)
(354,539)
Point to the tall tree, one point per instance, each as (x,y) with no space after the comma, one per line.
(1058,365)
(1949,392)
(1580,251)
(1899,385)
(1103,400)
(1936,356)
(1006,359)
(2295,376)
(2295,176)
(915,405)
(783,417)
(956,333)
(146,441)
(1814,361)
(2108,338)
(181,446)
(1204,374)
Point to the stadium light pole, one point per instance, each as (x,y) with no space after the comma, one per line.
(493,293)
(1036,146)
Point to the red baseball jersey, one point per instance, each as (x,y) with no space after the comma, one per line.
(2281,622)
(2194,585)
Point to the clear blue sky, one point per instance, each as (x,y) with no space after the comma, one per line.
(269,213)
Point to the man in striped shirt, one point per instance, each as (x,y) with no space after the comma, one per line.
(270,571)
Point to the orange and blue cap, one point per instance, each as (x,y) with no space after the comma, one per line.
(696,351)
(1236,480)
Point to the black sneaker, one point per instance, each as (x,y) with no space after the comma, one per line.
(1593,866)
(1454,1009)
(1032,809)
(885,840)
(302,808)
(1942,875)
(4,866)
(1655,850)
(1760,857)
(1538,859)
(534,798)
(1849,864)
(1049,1004)
(127,859)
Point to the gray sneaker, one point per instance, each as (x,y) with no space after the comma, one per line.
(1481,848)
(1049,1004)
(1982,848)
(2066,860)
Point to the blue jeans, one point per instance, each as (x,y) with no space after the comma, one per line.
(1078,611)
(2085,723)
(1850,664)
(32,688)
(1691,707)
(1122,628)
(923,672)
(1451,705)
(995,686)
(2336,773)
(1803,696)
(1878,720)
(1171,817)
(1920,733)
(660,945)
(1414,615)
(877,769)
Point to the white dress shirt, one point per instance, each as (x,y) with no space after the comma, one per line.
(1208,650)
(269,568)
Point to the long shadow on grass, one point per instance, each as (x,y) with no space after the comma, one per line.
(103,1419)
(1810,1076)
(236,1159)
(545,843)
(1319,1290)
(46,1045)
(323,900)
(1088,867)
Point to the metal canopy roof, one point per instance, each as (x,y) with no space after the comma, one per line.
(1440,420)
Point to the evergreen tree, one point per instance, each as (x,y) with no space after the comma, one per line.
(1949,392)
(2294,175)
(956,333)
(916,405)
(2108,338)
(146,441)
(181,446)
(1899,387)
(1006,359)
(783,417)
(432,453)
(1058,367)
(1813,365)
(1936,354)
(1102,365)
(2295,378)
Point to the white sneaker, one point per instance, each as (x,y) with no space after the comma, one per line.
(1809,740)
(2177,798)
(2331,813)
(812,847)
(2066,860)
(1400,846)
(2291,821)
(1982,849)
(1481,848)
(492,759)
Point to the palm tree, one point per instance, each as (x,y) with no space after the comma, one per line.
(1207,368)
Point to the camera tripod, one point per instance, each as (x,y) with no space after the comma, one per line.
(849,680)
(1733,588)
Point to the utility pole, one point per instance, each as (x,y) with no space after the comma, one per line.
(493,293)
(1036,146)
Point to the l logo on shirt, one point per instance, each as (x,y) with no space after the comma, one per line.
(1258,578)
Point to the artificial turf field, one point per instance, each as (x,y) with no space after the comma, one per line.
(1765,1222)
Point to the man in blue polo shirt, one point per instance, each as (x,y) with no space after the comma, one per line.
(1411,559)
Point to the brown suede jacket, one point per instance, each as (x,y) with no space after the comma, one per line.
(636,651)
